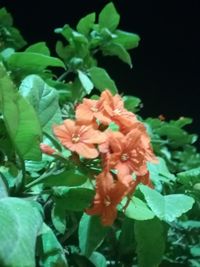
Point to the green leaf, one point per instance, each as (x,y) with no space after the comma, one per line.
(85,24)
(91,234)
(132,103)
(98,259)
(169,207)
(51,252)
(81,261)
(160,172)
(138,210)
(44,99)
(17,238)
(20,119)
(58,217)
(150,242)
(102,80)
(85,81)
(66,178)
(3,188)
(40,48)
(32,60)
(126,39)
(127,238)
(189,177)
(114,49)
(5,17)
(108,17)
(10,36)
(76,199)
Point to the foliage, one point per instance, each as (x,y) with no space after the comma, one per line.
(79,182)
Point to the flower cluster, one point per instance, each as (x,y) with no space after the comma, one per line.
(124,153)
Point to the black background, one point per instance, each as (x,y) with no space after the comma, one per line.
(165,73)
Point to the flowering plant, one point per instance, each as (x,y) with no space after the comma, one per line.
(84,180)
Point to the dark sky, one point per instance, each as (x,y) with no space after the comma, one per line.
(166,72)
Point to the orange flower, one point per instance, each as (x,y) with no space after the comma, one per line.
(47,149)
(108,195)
(114,106)
(90,110)
(129,153)
(79,138)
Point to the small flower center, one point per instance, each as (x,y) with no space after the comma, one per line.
(107,201)
(75,138)
(124,157)
(117,111)
(94,109)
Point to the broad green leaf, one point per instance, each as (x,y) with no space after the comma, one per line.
(85,24)
(20,119)
(138,210)
(126,39)
(91,234)
(114,49)
(132,103)
(127,238)
(102,80)
(20,222)
(160,172)
(40,48)
(169,207)
(85,81)
(44,99)
(108,17)
(189,177)
(71,177)
(98,259)
(76,199)
(3,188)
(58,217)
(51,252)
(32,60)
(150,242)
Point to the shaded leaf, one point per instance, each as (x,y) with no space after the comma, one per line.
(189,177)
(108,17)
(114,49)
(127,238)
(66,178)
(91,234)
(102,80)
(51,252)
(76,199)
(169,207)
(150,242)
(24,128)
(58,217)
(17,238)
